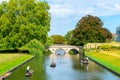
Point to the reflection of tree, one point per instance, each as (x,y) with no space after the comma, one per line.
(73,52)
(28,78)
(39,69)
(93,66)
(60,51)
(36,64)
(76,63)
(85,67)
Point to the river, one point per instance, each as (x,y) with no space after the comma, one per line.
(68,67)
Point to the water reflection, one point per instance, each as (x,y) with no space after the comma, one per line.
(28,78)
(60,52)
(37,65)
(69,68)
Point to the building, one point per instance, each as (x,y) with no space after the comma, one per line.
(118,33)
(114,35)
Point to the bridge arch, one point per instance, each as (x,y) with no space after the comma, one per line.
(60,51)
(73,51)
(67,48)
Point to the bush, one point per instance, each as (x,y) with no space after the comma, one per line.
(109,47)
(48,52)
(49,42)
(34,47)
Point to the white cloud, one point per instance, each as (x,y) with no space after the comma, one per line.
(117,6)
(3,0)
(61,10)
(66,8)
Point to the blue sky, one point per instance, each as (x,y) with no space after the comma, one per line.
(66,13)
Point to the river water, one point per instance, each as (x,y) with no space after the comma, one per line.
(68,67)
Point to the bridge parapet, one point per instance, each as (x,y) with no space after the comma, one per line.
(67,48)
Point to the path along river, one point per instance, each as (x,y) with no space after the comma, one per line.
(68,67)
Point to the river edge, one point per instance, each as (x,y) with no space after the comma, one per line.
(14,68)
(114,72)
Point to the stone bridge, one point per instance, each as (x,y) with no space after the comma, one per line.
(66,48)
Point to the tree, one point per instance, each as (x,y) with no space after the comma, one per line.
(22,21)
(68,36)
(89,29)
(58,39)
(49,42)
(34,47)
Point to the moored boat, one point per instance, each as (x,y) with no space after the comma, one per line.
(5,75)
(30,73)
(52,65)
(84,61)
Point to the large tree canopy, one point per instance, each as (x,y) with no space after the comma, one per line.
(49,42)
(22,21)
(58,39)
(90,29)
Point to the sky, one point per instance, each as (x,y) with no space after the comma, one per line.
(66,13)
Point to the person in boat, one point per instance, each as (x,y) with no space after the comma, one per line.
(58,53)
(86,59)
(81,60)
(28,69)
(53,64)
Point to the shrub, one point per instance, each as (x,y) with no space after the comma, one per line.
(109,47)
(48,52)
(34,47)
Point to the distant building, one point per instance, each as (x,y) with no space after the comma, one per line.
(118,33)
(114,35)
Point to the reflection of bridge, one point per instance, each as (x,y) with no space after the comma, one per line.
(67,48)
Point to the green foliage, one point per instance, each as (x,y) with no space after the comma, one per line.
(71,52)
(58,39)
(48,52)
(68,36)
(109,47)
(22,21)
(49,42)
(35,47)
(89,29)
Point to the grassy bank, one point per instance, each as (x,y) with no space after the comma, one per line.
(110,59)
(9,61)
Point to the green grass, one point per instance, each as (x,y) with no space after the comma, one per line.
(112,52)
(112,62)
(9,61)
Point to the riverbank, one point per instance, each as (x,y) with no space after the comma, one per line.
(109,59)
(10,61)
